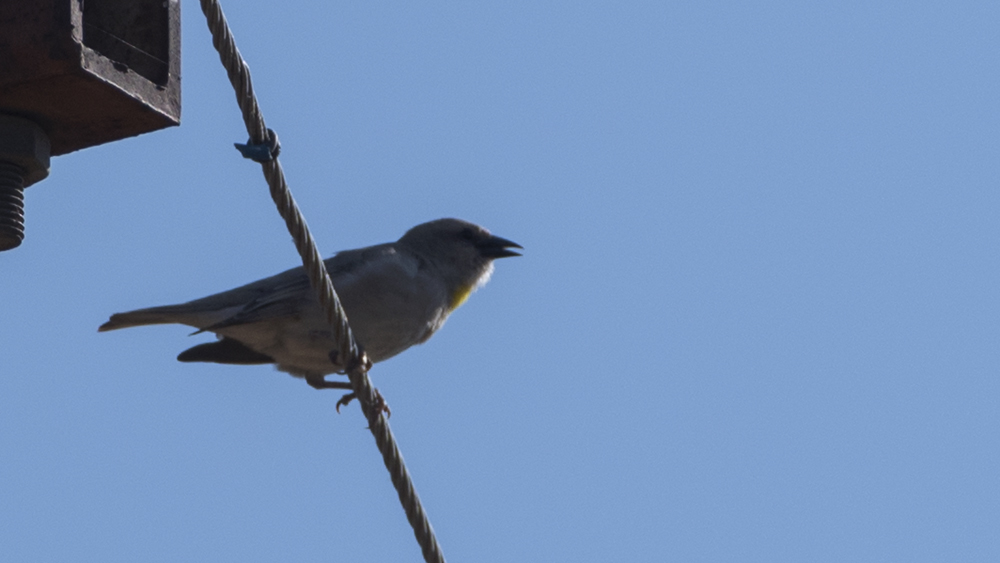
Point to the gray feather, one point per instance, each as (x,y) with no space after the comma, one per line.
(225,351)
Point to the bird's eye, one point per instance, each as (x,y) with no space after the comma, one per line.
(467,234)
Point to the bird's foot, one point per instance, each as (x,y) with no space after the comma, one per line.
(320,382)
(345,400)
(380,406)
(360,360)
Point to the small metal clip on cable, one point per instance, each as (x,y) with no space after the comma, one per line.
(261,152)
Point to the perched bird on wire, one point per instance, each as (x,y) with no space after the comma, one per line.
(395,295)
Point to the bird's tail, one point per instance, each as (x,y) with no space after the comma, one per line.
(169,314)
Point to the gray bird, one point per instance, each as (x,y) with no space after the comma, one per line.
(395,295)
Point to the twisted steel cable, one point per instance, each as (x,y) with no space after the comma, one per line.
(348,350)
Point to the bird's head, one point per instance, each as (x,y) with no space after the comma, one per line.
(463,252)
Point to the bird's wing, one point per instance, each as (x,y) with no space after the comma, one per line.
(211,310)
(287,293)
(277,296)
(281,299)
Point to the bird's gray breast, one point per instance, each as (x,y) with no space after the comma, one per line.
(392,303)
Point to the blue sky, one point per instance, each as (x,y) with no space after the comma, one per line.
(755,320)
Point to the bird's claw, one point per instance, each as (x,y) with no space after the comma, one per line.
(379,406)
(345,400)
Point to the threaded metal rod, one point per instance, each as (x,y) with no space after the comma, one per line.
(11,205)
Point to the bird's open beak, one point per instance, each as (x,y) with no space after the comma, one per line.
(496,247)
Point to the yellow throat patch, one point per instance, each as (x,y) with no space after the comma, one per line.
(461,296)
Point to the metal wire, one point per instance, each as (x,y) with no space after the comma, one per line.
(348,350)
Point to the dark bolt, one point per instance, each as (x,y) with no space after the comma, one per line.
(24,160)
(11,205)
